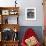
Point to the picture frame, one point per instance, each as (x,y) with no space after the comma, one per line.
(5,12)
(30,13)
(13,12)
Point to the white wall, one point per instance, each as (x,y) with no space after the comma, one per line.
(24,4)
(39,13)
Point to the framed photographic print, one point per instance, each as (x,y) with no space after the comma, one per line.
(30,13)
(5,12)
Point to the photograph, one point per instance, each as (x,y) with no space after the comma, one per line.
(30,13)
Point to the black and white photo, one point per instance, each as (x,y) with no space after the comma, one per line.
(30,13)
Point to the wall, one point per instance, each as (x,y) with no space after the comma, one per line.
(39,13)
(24,4)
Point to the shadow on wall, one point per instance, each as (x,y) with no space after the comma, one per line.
(37,29)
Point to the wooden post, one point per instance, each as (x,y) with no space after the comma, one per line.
(44,8)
